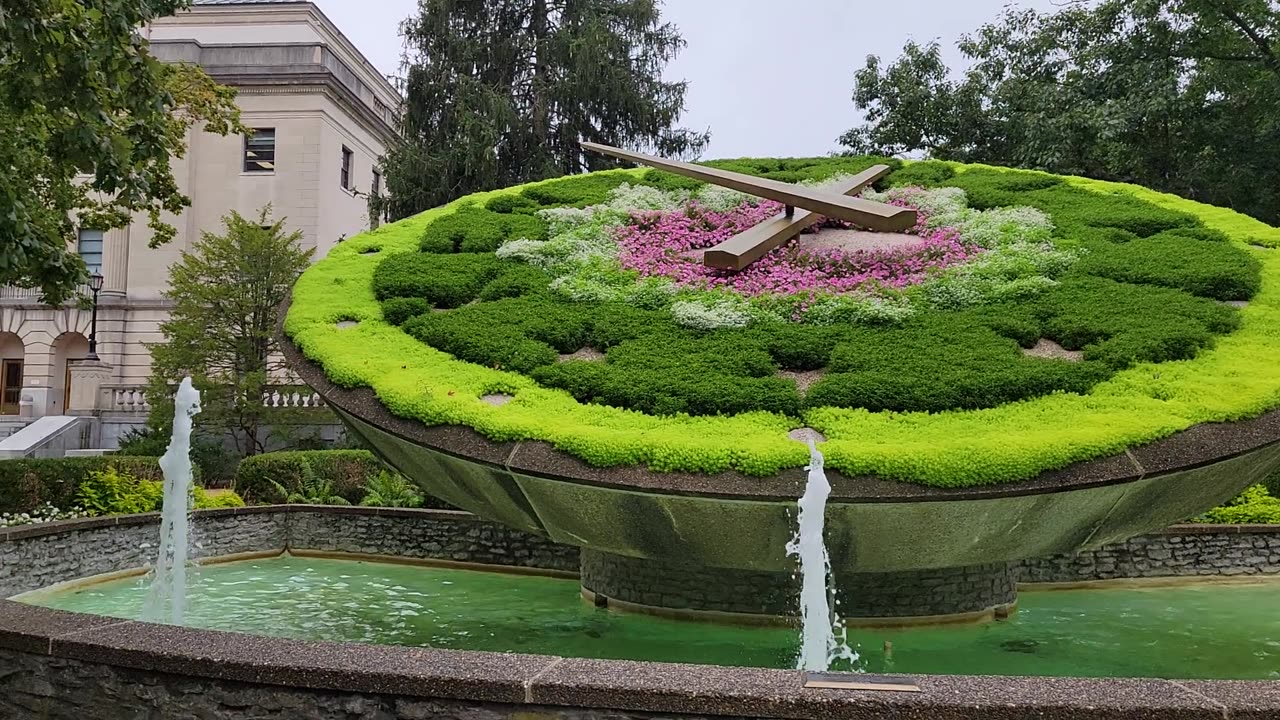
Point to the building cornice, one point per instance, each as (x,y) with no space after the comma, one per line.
(259,14)
(283,68)
(310,84)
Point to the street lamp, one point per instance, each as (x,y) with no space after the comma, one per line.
(95,284)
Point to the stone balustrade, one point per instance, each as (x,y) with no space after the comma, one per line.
(131,399)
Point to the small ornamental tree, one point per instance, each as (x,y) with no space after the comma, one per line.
(227,293)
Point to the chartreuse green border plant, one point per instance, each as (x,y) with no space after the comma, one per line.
(1232,376)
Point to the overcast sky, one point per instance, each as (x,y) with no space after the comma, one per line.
(767,77)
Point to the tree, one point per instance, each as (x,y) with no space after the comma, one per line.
(501,92)
(227,293)
(81,95)
(1180,95)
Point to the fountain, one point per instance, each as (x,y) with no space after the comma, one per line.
(820,643)
(166,600)
(680,530)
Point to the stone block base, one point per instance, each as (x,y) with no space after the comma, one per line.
(673,588)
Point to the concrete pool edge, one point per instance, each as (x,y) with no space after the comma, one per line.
(83,659)
(59,663)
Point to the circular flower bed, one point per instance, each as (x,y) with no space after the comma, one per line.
(1028,322)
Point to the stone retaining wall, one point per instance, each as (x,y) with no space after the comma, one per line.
(951,591)
(1182,551)
(36,556)
(31,558)
(452,536)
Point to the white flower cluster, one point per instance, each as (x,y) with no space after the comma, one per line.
(1008,272)
(863,310)
(1021,259)
(43,514)
(711,315)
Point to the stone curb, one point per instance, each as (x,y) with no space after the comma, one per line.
(529,681)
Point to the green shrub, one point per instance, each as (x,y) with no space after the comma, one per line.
(203,500)
(1255,506)
(577,190)
(27,484)
(213,462)
(928,173)
(1172,259)
(445,281)
(1122,324)
(1076,212)
(474,229)
(398,310)
(112,492)
(511,203)
(941,363)
(671,181)
(1272,483)
(515,280)
(347,470)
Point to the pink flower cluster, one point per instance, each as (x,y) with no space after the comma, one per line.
(667,243)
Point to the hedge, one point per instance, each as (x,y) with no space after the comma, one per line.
(28,484)
(1223,371)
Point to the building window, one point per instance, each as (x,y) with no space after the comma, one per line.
(345,179)
(89,245)
(260,150)
(376,189)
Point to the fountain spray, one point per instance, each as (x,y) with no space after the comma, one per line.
(167,599)
(820,643)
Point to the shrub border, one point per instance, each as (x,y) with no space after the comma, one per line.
(1137,406)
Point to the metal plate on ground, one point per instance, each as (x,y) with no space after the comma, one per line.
(850,681)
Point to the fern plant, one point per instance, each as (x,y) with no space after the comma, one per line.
(311,490)
(391,490)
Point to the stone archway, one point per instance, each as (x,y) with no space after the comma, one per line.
(68,349)
(12,371)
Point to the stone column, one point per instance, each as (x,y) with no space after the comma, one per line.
(87,377)
(115,262)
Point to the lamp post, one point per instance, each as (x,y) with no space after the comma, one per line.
(95,284)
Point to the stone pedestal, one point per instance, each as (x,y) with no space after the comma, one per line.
(33,402)
(930,596)
(87,377)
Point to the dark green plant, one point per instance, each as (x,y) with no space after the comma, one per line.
(390,489)
(348,471)
(215,464)
(476,229)
(1171,259)
(312,490)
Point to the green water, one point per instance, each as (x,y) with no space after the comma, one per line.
(1206,631)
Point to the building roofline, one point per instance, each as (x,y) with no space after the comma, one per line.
(213,8)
